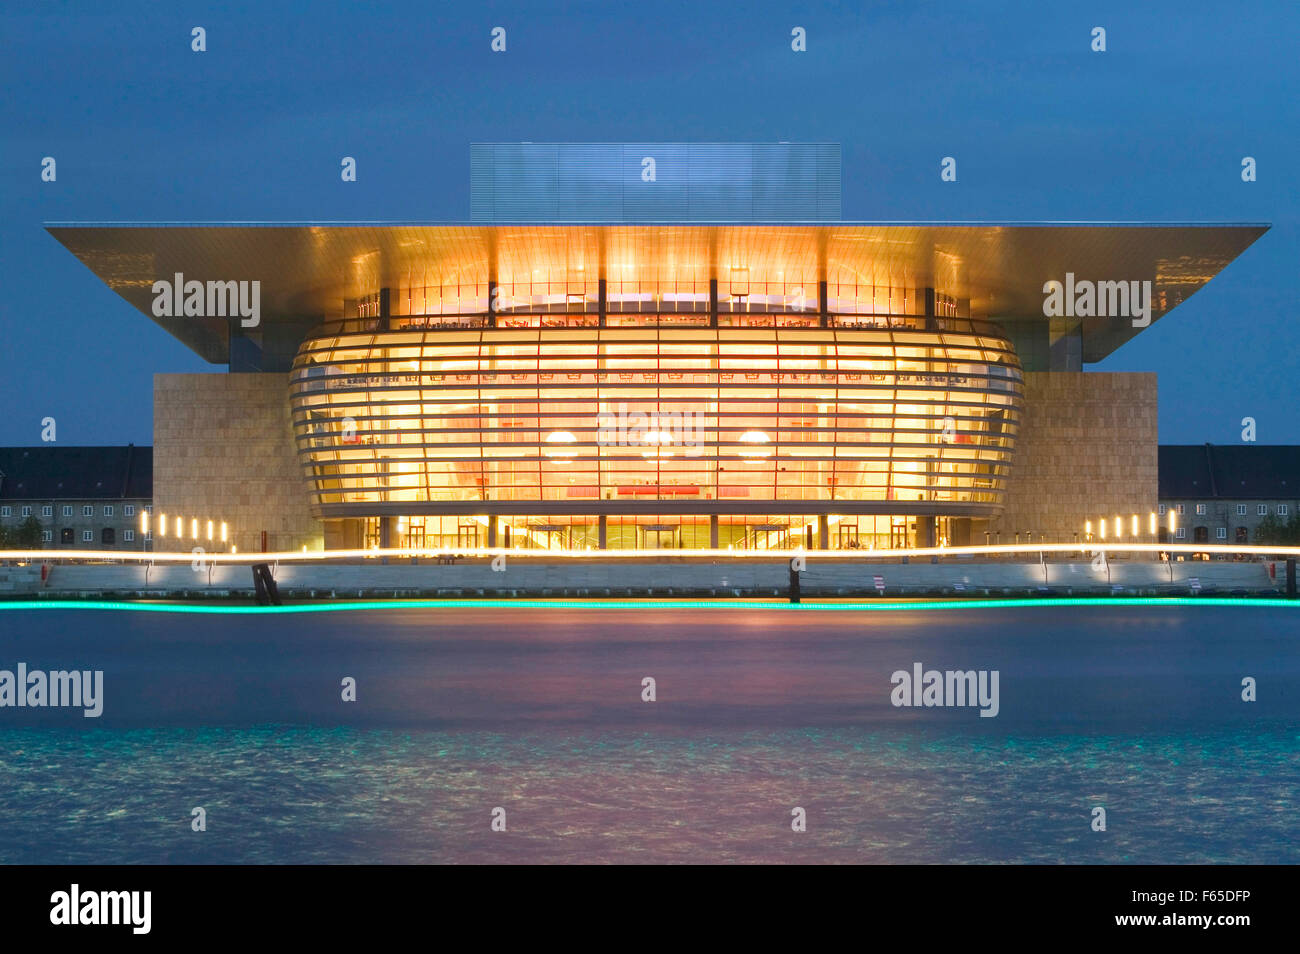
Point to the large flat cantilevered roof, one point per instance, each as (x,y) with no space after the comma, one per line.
(308,270)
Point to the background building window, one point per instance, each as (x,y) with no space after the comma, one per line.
(87,536)
(67,510)
(65,535)
(108,510)
(1182,509)
(1162,510)
(27,511)
(1200,510)
(1181,533)
(1241,510)
(1241,534)
(47,536)
(6,511)
(108,535)
(128,509)
(1262,510)
(1201,535)
(1283,510)
(47,511)
(128,536)
(1220,533)
(88,510)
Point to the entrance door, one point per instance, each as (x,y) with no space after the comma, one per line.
(898,536)
(777,539)
(467,536)
(658,538)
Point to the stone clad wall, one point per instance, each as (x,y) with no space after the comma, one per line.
(224,450)
(1088,448)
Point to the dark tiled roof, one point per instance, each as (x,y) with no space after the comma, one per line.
(51,472)
(1244,471)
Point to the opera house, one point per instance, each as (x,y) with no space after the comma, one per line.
(731,367)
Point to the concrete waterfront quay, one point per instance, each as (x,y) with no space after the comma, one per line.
(533,576)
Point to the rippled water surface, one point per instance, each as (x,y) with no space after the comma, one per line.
(1136,709)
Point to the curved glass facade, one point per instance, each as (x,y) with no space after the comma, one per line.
(914,416)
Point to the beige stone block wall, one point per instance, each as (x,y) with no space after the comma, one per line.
(224,450)
(1088,448)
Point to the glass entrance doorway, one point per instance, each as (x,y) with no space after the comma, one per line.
(899,535)
(658,536)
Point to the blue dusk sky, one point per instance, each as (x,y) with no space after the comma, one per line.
(1042,128)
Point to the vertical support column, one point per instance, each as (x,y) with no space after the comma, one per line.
(603,310)
(713,303)
(823,533)
(823,306)
(931,531)
(385,536)
(492,303)
(385,307)
(602,533)
(492,531)
(713,531)
(931,324)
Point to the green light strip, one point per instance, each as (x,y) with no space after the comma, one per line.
(874,606)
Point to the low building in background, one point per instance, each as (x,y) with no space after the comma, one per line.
(83,498)
(1229,494)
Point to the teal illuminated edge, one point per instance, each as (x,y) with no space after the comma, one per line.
(643,604)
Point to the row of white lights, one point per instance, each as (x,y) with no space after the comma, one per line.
(484,552)
(1152,521)
(178,528)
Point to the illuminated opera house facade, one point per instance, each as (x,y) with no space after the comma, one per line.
(544,383)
